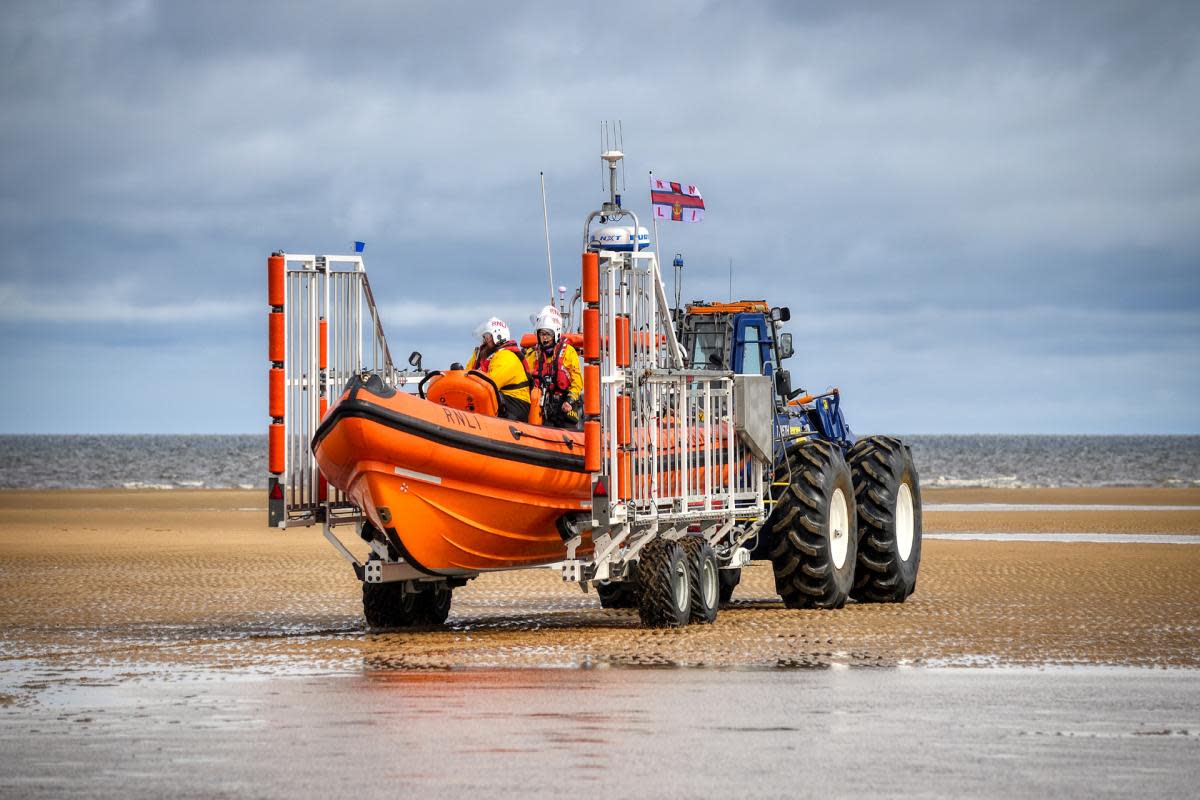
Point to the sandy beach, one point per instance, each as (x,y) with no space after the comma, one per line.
(169,644)
(145,580)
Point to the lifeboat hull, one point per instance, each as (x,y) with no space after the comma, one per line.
(456,492)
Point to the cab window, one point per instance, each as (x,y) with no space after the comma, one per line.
(751,351)
(708,351)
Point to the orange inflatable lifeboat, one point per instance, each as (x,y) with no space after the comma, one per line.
(456,491)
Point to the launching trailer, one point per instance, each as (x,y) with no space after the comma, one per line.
(695,455)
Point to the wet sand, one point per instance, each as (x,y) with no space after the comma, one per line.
(147,580)
(821,733)
(168,643)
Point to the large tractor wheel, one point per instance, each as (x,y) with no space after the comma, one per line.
(386,605)
(617,595)
(888,494)
(433,603)
(815,528)
(703,577)
(665,597)
(729,579)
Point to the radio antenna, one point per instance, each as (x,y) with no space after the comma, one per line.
(621,147)
(603,148)
(546,220)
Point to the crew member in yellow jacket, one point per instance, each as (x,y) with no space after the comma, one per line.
(553,364)
(500,358)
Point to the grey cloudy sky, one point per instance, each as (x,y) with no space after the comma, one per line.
(984,216)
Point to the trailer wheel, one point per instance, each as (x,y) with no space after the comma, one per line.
(887,491)
(433,603)
(729,578)
(664,600)
(815,528)
(617,594)
(386,605)
(703,578)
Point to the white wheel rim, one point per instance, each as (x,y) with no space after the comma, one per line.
(709,577)
(839,523)
(679,585)
(904,522)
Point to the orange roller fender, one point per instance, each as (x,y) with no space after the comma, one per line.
(622,348)
(275,345)
(624,475)
(275,393)
(624,413)
(592,449)
(275,280)
(323,344)
(275,460)
(591,334)
(590,284)
(591,389)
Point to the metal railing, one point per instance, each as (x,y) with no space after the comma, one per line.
(330,332)
(668,435)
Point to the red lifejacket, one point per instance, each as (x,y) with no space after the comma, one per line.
(550,372)
(482,363)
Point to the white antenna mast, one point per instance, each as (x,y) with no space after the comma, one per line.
(546,220)
(603,148)
(621,147)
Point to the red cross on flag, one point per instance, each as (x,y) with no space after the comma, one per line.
(676,201)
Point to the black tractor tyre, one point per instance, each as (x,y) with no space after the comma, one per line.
(729,579)
(887,492)
(432,603)
(814,527)
(617,594)
(664,599)
(703,578)
(385,605)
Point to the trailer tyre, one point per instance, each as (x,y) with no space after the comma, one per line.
(664,600)
(703,577)
(887,491)
(815,528)
(617,594)
(386,605)
(433,604)
(729,579)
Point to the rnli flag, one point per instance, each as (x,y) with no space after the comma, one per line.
(676,201)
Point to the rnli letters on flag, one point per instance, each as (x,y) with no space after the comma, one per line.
(676,201)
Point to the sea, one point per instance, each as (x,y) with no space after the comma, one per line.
(240,461)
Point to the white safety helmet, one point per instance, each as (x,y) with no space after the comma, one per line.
(496,327)
(548,319)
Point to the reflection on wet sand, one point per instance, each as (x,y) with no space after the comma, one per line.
(830,731)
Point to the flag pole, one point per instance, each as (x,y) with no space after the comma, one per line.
(546,220)
(653,216)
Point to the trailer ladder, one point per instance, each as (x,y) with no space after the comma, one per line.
(323,328)
(668,452)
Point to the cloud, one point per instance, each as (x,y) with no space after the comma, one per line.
(956,178)
(111,304)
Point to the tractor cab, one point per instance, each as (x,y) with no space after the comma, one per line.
(739,337)
(745,338)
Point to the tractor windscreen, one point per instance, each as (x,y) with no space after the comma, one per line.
(708,346)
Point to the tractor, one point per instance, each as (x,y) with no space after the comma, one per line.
(844,512)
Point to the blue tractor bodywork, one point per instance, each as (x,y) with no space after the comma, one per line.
(745,339)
